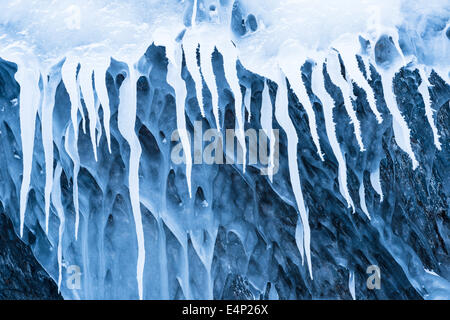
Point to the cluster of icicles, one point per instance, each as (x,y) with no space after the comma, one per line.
(79,85)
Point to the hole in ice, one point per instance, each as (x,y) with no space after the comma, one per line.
(149,145)
(200,200)
(110,219)
(385,51)
(142,84)
(172,190)
(119,79)
(237,21)
(31,238)
(251,22)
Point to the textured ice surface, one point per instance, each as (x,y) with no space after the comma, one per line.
(91,93)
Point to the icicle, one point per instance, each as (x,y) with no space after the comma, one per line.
(334,70)
(206,50)
(190,54)
(229,55)
(293,73)
(348,55)
(318,87)
(68,72)
(102,94)
(266,124)
(376,182)
(299,240)
(126,121)
(72,150)
(28,79)
(194,13)
(362,200)
(423,89)
(174,79)
(87,90)
(396,40)
(247,102)
(47,134)
(56,199)
(401,130)
(366,61)
(351,284)
(282,116)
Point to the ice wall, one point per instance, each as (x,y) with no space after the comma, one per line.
(87,126)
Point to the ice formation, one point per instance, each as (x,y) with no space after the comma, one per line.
(108,198)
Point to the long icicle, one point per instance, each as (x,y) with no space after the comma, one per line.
(126,121)
(229,55)
(54,78)
(318,87)
(334,70)
(174,79)
(282,116)
(28,79)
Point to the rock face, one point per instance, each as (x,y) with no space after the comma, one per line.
(21,275)
(236,237)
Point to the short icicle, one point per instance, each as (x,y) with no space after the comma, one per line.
(318,87)
(206,51)
(68,72)
(87,90)
(266,124)
(423,89)
(334,71)
(362,200)
(355,74)
(293,74)
(190,54)
(401,130)
(102,94)
(351,284)
(376,182)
